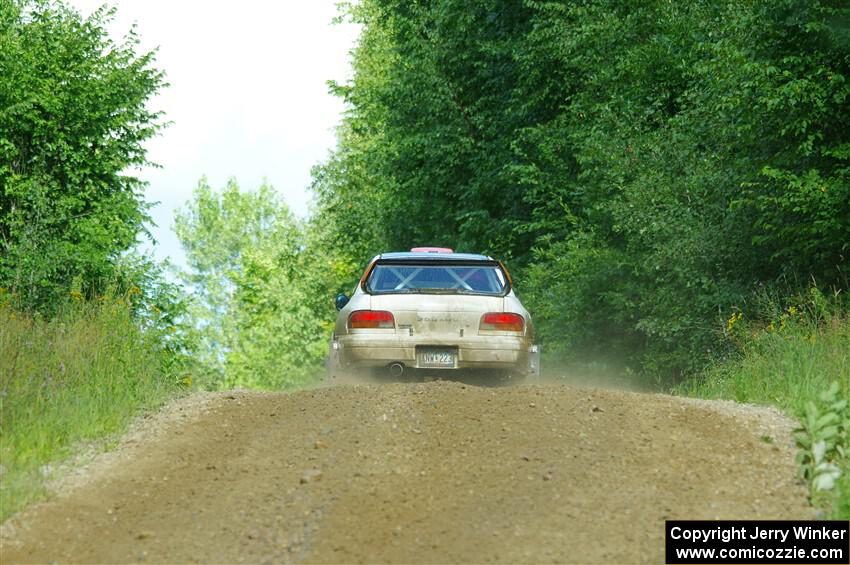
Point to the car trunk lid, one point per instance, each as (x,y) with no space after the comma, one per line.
(439,315)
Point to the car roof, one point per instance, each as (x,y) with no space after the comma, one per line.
(425,256)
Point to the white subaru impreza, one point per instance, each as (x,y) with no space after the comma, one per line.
(431,310)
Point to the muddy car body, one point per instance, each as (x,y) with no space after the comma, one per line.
(432,310)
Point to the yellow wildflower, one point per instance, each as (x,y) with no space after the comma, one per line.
(733,319)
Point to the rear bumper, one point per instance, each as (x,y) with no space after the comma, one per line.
(474,352)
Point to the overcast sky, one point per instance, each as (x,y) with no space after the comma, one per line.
(248,95)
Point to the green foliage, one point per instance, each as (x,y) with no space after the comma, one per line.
(91,333)
(425,153)
(79,376)
(262,308)
(824,441)
(73,120)
(673,138)
(643,166)
(786,361)
(650,170)
(841,504)
(799,360)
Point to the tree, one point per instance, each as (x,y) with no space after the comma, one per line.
(259,313)
(644,166)
(73,122)
(426,148)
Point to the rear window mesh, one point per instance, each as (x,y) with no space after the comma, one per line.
(484,279)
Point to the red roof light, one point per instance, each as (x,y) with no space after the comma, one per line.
(431,250)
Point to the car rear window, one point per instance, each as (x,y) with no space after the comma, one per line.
(441,278)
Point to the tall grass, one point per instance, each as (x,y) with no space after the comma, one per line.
(787,358)
(79,376)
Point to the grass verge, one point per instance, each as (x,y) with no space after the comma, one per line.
(77,377)
(792,361)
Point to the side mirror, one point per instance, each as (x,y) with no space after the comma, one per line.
(341,301)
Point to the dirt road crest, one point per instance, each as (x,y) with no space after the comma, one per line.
(430,472)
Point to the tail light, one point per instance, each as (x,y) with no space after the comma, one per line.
(370,319)
(502,322)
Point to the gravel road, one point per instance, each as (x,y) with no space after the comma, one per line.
(432,472)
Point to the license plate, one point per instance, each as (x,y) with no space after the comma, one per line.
(436,358)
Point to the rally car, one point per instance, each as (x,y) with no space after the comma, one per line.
(431,311)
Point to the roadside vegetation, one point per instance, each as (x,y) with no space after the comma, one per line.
(91,333)
(795,355)
(79,376)
(262,286)
(668,182)
(787,356)
(651,172)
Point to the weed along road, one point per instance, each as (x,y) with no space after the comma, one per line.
(433,472)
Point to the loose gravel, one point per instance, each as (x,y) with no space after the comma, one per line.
(415,473)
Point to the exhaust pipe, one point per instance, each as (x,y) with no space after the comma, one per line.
(396,370)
